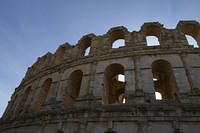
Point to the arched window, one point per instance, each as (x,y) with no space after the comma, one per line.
(152,41)
(43,93)
(85,45)
(191,41)
(158,96)
(45,89)
(153,35)
(118,43)
(164,80)
(87,51)
(114,89)
(192,30)
(117,37)
(24,99)
(74,87)
(26,95)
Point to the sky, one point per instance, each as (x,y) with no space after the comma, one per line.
(31,28)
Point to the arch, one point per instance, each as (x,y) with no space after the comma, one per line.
(158,95)
(164,80)
(85,44)
(113,88)
(23,101)
(191,41)
(152,30)
(117,33)
(152,41)
(193,31)
(26,94)
(74,86)
(118,43)
(43,93)
(191,28)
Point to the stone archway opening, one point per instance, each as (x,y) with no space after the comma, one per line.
(191,41)
(153,35)
(114,84)
(192,31)
(43,93)
(152,41)
(118,43)
(85,46)
(73,88)
(164,80)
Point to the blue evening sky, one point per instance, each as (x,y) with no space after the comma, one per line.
(31,28)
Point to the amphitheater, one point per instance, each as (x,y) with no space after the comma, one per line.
(71,92)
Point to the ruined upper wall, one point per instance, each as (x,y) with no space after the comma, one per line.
(103,43)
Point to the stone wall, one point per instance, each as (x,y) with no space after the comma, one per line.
(71,93)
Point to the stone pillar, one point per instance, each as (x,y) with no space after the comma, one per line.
(143,76)
(99,86)
(181,80)
(84,85)
(187,70)
(58,84)
(92,78)
(130,80)
(51,96)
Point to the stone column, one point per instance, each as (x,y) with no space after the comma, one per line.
(98,86)
(92,77)
(187,69)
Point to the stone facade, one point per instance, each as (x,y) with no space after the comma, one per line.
(67,92)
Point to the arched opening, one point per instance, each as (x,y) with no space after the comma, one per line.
(152,41)
(117,37)
(114,84)
(192,30)
(43,92)
(24,100)
(85,45)
(74,86)
(26,95)
(191,41)
(153,35)
(164,80)
(60,55)
(158,96)
(45,89)
(118,43)
(87,51)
